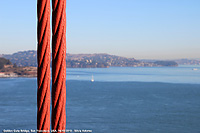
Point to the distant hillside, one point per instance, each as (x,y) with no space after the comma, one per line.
(23,58)
(188,61)
(99,60)
(178,61)
(29,58)
(166,63)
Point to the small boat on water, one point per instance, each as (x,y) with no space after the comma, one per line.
(194,69)
(92,80)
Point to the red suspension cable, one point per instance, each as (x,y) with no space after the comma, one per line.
(58,118)
(43,58)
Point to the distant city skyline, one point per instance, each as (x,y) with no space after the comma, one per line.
(140,29)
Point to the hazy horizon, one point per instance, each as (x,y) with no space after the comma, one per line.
(138,29)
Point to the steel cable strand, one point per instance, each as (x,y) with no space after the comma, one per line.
(43,59)
(58,118)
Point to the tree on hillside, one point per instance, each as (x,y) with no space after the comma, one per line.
(4,61)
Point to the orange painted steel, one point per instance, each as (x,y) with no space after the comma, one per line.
(58,119)
(43,58)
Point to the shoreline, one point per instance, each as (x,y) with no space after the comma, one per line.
(31,72)
(8,76)
(16,72)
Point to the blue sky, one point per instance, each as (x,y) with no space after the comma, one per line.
(150,29)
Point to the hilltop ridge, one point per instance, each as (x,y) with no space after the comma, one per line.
(29,58)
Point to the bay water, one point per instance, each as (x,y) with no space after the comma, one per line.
(120,100)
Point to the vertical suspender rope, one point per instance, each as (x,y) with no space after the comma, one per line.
(43,58)
(58,65)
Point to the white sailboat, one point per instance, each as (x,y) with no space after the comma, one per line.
(92,80)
